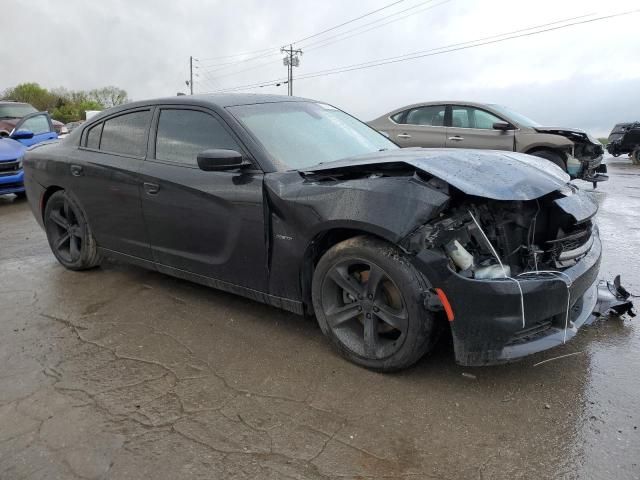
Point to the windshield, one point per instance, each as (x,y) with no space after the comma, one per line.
(521,120)
(299,135)
(18,110)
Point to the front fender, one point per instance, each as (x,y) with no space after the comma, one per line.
(527,142)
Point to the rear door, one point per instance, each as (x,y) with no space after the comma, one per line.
(472,127)
(106,179)
(207,223)
(420,127)
(40,125)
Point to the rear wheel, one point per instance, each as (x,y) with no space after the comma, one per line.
(69,234)
(368,299)
(553,157)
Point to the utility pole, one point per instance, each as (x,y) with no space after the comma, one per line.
(290,60)
(191,74)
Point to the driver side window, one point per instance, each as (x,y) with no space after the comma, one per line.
(484,119)
(37,124)
(183,134)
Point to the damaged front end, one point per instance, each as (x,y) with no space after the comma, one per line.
(584,157)
(518,276)
(508,245)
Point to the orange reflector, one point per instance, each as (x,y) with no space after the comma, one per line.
(445,303)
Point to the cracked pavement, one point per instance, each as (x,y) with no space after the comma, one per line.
(123,373)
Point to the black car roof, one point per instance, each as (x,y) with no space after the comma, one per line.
(221,100)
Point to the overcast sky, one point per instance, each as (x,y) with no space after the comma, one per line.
(586,76)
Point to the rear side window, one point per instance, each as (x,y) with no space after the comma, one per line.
(126,134)
(183,134)
(460,117)
(397,117)
(430,116)
(93,137)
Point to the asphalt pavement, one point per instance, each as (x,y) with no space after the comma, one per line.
(123,373)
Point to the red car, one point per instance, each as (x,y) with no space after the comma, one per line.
(12,112)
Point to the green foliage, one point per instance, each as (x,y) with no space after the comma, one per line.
(108,96)
(66,105)
(31,93)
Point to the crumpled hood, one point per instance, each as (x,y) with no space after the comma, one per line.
(574,134)
(491,174)
(10,149)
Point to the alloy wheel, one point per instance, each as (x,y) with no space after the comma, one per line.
(364,308)
(66,232)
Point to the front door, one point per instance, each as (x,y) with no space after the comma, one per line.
(473,128)
(40,125)
(207,223)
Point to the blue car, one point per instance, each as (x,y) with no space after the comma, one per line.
(32,129)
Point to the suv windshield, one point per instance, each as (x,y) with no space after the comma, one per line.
(298,135)
(515,117)
(17,110)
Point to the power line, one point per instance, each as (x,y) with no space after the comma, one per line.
(228,64)
(260,65)
(307,37)
(459,46)
(445,49)
(348,22)
(243,54)
(321,41)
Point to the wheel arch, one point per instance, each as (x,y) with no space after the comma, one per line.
(49,191)
(319,245)
(557,151)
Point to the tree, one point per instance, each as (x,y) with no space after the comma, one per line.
(109,96)
(74,111)
(66,105)
(31,93)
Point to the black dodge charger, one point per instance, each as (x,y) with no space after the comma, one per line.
(294,203)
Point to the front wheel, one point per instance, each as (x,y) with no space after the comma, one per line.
(69,234)
(635,156)
(553,157)
(368,300)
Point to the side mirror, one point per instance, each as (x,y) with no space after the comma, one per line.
(504,126)
(22,135)
(219,159)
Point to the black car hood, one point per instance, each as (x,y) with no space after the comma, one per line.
(484,173)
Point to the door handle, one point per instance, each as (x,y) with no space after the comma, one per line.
(404,135)
(76,170)
(457,138)
(151,188)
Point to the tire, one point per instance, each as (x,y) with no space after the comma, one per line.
(635,157)
(383,326)
(68,233)
(553,157)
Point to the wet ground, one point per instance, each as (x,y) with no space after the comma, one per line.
(123,373)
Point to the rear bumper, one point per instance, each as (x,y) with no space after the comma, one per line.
(12,183)
(488,326)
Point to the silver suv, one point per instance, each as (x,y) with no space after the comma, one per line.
(493,127)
